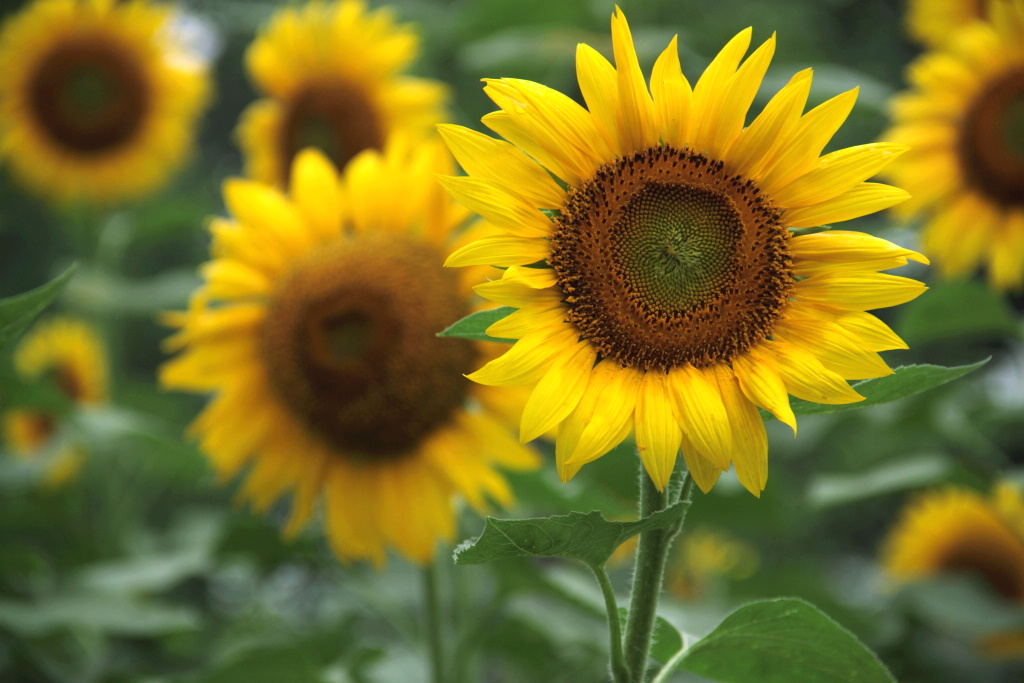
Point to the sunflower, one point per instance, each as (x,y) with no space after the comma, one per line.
(316,329)
(98,101)
(69,353)
(704,557)
(934,22)
(960,531)
(964,120)
(673,297)
(332,75)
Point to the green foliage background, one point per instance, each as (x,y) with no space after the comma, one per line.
(143,570)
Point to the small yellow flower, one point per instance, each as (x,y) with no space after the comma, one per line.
(959,531)
(963,119)
(69,353)
(315,330)
(98,102)
(331,73)
(674,298)
(703,556)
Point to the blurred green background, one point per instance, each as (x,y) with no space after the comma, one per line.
(142,569)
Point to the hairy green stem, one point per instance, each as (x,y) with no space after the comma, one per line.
(648,573)
(433,610)
(620,674)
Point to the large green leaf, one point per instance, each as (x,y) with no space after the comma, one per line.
(906,381)
(18,312)
(474,326)
(780,641)
(588,537)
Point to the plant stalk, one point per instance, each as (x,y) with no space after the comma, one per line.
(620,674)
(648,573)
(433,612)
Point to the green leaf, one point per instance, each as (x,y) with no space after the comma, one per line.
(906,381)
(17,312)
(665,641)
(830,490)
(955,310)
(474,325)
(796,232)
(781,641)
(588,537)
(111,613)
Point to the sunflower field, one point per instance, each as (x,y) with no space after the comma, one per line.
(476,341)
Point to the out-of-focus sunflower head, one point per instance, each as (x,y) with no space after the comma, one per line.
(332,78)
(316,327)
(99,100)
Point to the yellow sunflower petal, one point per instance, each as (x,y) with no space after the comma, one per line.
(755,146)
(859,201)
(838,172)
(499,163)
(657,428)
(603,417)
(858,290)
(499,251)
(804,375)
(672,94)
(750,442)
(597,79)
(637,129)
(558,392)
(702,415)
(704,474)
(527,360)
(710,90)
(763,385)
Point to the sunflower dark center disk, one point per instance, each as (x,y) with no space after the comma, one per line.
(1001,571)
(665,259)
(991,142)
(89,96)
(337,118)
(349,345)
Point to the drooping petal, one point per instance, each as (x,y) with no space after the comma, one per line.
(702,415)
(750,442)
(657,428)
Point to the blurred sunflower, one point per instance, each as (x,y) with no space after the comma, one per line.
(934,22)
(964,121)
(316,330)
(332,74)
(675,299)
(959,531)
(704,556)
(98,101)
(69,353)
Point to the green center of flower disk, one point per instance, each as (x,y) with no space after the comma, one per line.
(666,259)
(335,117)
(991,139)
(350,345)
(89,95)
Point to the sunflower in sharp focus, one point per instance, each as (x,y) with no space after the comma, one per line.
(332,74)
(955,531)
(934,22)
(964,121)
(675,299)
(98,100)
(316,329)
(68,353)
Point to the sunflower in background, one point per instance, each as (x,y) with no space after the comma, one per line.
(316,330)
(99,100)
(963,119)
(332,76)
(959,531)
(703,557)
(934,22)
(69,353)
(675,298)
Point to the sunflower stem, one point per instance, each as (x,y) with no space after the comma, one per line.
(649,571)
(620,674)
(433,610)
